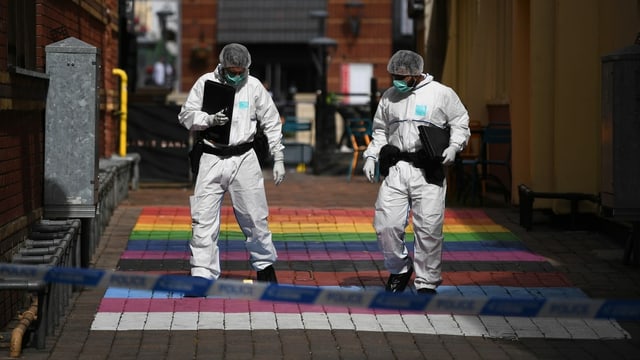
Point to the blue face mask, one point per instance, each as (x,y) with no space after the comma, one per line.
(401,85)
(235,79)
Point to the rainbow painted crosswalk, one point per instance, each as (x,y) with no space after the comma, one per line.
(337,248)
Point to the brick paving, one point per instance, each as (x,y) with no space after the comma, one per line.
(589,261)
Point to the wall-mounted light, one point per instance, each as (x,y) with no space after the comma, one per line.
(415,8)
(354,16)
(201,53)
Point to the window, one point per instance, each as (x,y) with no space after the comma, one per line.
(268,21)
(21,35)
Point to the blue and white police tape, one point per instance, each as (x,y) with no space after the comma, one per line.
(619,309)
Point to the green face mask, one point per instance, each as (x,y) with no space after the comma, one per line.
(235,79)
(401,85)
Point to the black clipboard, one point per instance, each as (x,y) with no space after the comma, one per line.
(434,139)
(217,97)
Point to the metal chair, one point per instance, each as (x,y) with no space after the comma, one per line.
(496,138)
(290,128)
(465,183)
(291,125)
(359,132)
(496,151)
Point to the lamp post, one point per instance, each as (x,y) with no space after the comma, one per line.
(162,19)
(354,16)
(324,124)
(163,52)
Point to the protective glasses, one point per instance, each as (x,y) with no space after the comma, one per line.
(400,77)
(235,71)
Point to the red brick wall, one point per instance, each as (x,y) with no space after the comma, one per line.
(22,113)
(22,151)
(373,44)
(199,26)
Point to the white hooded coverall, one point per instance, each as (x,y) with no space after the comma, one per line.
(405,189)
(240,175)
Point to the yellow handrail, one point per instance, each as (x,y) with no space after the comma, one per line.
(123,110)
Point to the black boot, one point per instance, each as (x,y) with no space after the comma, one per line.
(268,274)
(426,291)
(398,282)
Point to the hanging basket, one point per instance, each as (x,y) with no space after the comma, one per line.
(200,55)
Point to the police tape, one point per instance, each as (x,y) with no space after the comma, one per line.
(620,309)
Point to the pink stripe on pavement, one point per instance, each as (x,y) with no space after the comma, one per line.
(516,255)
(154,255)
(284,255)
(118,305)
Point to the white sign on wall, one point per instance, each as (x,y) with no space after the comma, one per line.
(356,82)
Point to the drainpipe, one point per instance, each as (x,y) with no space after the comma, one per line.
(123,110)
(18,332)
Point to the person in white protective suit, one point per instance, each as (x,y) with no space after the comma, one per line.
(233,167)
(413,181)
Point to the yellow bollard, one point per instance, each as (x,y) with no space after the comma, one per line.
(123,110)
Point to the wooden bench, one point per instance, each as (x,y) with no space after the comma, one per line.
(527,197)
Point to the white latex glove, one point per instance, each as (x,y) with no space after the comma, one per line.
(278,167)
(369,169)
(449,155)
(217,119)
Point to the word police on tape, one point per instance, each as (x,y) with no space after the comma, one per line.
(619,309)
